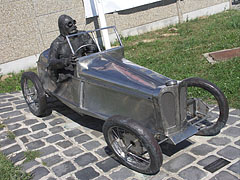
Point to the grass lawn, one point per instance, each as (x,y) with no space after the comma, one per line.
(9,171)
(176,52)
(179,55)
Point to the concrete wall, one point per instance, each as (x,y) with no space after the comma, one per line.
(29,26)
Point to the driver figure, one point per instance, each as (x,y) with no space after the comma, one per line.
(60,54)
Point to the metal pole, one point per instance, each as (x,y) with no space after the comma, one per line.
(230,4)
(98,4)
(180,16)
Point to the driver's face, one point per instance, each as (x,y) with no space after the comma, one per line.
(70,25)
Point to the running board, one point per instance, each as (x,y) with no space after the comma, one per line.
(181,136)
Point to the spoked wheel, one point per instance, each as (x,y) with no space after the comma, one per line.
(134,145)
(34,94)
(207,106)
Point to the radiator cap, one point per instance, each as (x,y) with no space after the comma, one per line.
(171,83)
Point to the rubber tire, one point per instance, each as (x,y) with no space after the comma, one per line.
(144,135)
(43,109)
(222,103)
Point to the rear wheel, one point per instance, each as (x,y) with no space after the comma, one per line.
(34,94)
(133,144)
(211,106)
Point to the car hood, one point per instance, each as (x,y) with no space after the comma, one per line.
(121,72)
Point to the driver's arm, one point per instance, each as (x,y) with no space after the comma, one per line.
(53,60)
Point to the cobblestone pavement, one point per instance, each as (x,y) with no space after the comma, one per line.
(72,147)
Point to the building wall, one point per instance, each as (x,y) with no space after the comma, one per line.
(29,26)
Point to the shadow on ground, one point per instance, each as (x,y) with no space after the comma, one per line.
(96,124)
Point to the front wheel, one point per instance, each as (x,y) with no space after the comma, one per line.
(34,94)
(209,97)
(134,145)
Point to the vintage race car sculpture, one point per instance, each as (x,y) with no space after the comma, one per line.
(141,108)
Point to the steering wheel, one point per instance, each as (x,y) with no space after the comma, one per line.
(85,45)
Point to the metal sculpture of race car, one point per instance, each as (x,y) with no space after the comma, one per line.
(141,108)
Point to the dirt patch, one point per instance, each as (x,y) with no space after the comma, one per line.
(5,77)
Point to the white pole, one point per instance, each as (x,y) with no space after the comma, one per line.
(98,4)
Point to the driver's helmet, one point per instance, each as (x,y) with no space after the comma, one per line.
(66,25)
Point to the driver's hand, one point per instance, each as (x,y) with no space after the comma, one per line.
(74,57)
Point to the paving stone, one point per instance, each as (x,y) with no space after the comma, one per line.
(86,174)
(39,135)
(14,120)
(39,172)
(219,141)
(11,149)
(235,112)
(83,138)
(30,122)
(56,129)
(57,121)
(13,99)
(91,145)
(235,168)
(97,134)
(64,168)
(27,165)
(10,114)
(18,157)
(1,129)
(107,164)
(237,142)
(71,178)
(85,159)
(7,142)
(19,102)
(104,152)
(53,160)
(6,97)
(3,135)
(123,174)
(5,109)
(232,131)
(21,132)
(160,176)
(47,150)
(48,117)
(35,144)
(72,151)
(14,126)
(5,104)
(27,111)
(208,160)
(192,173)
(24,139)
(54,138)
(223,175)
(38,126)
(172,178)
(230,152)
(202,149)
(73,132)
(174,165)
(102,178)
(231,120)
(51,178)
(22,106)
(64,144)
